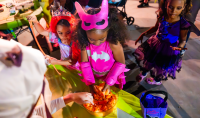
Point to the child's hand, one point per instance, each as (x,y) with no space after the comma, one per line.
(106,87)
(9,36)
(32,18)
(82,97)
(49,57)
(50,60)
(131,43)
(47,60)
(92,89)
(177,48)
(53,7)
(6,36)
(139,39)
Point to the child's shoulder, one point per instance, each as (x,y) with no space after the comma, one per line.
(116,46)
(184,24)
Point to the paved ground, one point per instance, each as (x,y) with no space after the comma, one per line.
(184,92)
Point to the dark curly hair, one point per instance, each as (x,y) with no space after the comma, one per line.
(162,11)
(117,30)
(63,22)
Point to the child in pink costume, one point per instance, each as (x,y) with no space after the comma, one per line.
(100,34)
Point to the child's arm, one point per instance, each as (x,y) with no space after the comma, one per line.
(37,26)
(84,57)
(2,34)
(80,98)
(59,103)
(6,36)
(182,41)
(61,62)
(55,61)
(87,71)
(150,31)
(183,36)
(118,52)
(117,68)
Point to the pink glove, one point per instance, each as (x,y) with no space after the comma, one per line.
(121,80)
(116,70)
(87,73)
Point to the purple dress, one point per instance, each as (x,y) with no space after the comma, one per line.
(156,53)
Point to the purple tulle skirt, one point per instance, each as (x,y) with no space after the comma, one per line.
(157,55)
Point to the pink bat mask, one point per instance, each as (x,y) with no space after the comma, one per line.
(91,21)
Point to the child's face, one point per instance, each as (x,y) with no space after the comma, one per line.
(64,33)
(97,37)
(174,8)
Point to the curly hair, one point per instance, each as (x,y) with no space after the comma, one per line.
(162,11)
(117,30)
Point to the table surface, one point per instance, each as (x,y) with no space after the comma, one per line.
(13,21)
(6,17)
(69,82)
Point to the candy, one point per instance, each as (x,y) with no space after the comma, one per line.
(103,101)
